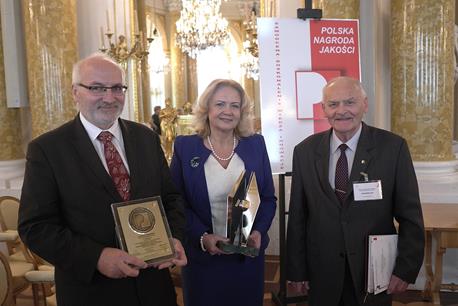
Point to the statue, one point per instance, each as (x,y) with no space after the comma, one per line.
(187,108)
(168,116)
(119,50)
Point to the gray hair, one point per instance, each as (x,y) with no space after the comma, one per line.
(356,84)
(76,73)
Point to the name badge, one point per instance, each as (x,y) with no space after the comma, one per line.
(369,190)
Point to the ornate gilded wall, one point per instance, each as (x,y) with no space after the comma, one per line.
(10,123)
(268,8)
(177,61)
(51,49)
(455,113)
(146,94)
(192,81)
(345,9)
(422,76)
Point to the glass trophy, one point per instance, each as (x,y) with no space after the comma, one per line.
(242,205)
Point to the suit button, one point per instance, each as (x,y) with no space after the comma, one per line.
(342,254)
(344,222)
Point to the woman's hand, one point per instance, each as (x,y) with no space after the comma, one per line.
(210,240)
(254,240)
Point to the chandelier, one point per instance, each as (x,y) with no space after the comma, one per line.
(249,58)
(200,26)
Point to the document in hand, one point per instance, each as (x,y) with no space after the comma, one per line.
(382,252)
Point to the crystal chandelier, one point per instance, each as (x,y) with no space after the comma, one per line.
(200,26)
(250,65)
(249,58)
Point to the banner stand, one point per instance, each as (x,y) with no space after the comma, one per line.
(280,298)
(309,12)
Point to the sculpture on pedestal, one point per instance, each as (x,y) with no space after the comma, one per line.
(168,116)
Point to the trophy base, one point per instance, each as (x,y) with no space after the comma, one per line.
(237,249)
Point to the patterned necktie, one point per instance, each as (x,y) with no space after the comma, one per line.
(115,165)
(341,180)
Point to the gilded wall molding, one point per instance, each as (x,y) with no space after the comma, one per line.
(342,9)
(51,50)
(422,76)
(10,120)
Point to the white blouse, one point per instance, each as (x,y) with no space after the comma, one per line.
(219,184)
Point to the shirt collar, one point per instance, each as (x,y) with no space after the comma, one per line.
(94,131)
(352,143)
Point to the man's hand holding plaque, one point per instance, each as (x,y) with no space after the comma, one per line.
(144,233)
(242,205)
(115,263)
(179,260)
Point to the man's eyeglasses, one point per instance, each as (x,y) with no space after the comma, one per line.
(97,90)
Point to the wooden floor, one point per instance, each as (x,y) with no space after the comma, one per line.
(410,298)
(272,276)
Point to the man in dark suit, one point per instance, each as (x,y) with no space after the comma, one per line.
(327,228)
(72,176)
(155,120)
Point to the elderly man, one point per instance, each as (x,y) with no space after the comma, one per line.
(327,228)
(74,173)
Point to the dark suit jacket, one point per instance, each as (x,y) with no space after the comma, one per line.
(157,123)
(322,233)
(65,215)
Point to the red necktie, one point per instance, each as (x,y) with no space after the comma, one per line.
(341,180)
(116,167)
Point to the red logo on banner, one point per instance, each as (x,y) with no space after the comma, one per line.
(309,87)
(334,46)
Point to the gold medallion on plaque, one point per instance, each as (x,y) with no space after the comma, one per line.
(141,220)
(143,230)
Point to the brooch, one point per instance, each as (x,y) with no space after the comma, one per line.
(195,161)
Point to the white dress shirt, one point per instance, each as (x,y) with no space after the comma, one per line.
(117,141)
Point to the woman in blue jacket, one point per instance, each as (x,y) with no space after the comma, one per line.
(204,167)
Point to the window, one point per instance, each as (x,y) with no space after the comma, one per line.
(221,62)
(158,62)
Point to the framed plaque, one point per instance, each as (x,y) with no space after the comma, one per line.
(143,230)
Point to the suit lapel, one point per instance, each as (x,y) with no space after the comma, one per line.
(322,166)
(89,156)
(363,157)
(198,178)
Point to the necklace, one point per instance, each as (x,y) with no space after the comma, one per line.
(216,155)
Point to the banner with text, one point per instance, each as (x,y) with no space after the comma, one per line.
(296,59)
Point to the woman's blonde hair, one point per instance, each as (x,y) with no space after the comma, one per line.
(201,124)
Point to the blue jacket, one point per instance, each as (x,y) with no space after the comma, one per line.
(188,173)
